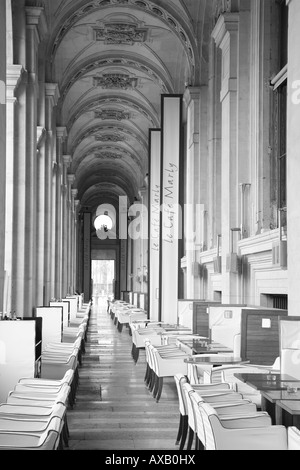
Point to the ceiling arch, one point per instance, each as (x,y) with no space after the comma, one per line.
(112,61)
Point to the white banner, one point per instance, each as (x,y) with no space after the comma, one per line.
(170,208)
(154,221)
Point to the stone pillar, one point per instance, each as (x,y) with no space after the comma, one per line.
(19,202)
(76,245)
(3,149)
(225,34)
(293,160)
(35,29)
(51,99)
(61,135)
(196,185)
(72,260)
(40,232)
(14,78)
(52,96)
(65,224)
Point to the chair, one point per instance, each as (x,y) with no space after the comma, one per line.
(223,409)
(219,393)
(68,378)
(166,363)
(242,437)
(47,440)
(226,373)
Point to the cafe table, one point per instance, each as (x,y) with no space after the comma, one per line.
(204,346)
(214,360)
(280,395)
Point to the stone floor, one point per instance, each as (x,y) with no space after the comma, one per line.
(114,409)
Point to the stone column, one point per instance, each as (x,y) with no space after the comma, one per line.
(61,134)
(76,245)
(14,78)
(65,224)
(196,184)
(35,29)
(3,149)
(72,260)
(52,96)
(293,160)
(19,202)
(225,34)
(40,235)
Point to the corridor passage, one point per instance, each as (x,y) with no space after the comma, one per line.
(114,409)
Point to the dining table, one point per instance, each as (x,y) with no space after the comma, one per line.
(280,395)
(204,346)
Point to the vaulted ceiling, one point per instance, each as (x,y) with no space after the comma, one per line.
(112,60)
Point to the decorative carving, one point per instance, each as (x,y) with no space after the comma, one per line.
(108,156)
(110,138)
(121,33)
(222,6)
(112,114)
(115,80)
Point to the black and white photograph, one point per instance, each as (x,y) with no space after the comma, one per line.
(149,228)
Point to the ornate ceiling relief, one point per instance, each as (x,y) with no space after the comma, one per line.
(113,114)
(110,138)
(115,80)
(107,156)
(121,33)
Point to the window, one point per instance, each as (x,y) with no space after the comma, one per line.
(279,83)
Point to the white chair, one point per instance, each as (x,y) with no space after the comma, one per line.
(218,394)
(241,437)
(46,440)
(167,363)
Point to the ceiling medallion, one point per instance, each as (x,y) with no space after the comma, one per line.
(121,33)
(115,80)
(113,114)
(110,138)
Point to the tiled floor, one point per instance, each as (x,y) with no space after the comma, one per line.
(114,409)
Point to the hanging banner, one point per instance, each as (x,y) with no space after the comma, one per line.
(171,214)
(154,221)
(123,265)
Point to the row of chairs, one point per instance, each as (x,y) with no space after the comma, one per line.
(218,417)
(34,416)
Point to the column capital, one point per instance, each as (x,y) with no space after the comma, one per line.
(15,75)
(52,92)
(70,178)
(61,133)
(74,193)
(142,191)
(227,23)
(35,17)
(67,160)
(191,94)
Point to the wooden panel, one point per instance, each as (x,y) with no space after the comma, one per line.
(260,345)
(201,317)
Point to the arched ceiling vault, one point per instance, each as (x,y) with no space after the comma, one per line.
(112,60)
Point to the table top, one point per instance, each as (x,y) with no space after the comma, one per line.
(203,346)
(291,406)
(272,381)
(215,359)
(278,395)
